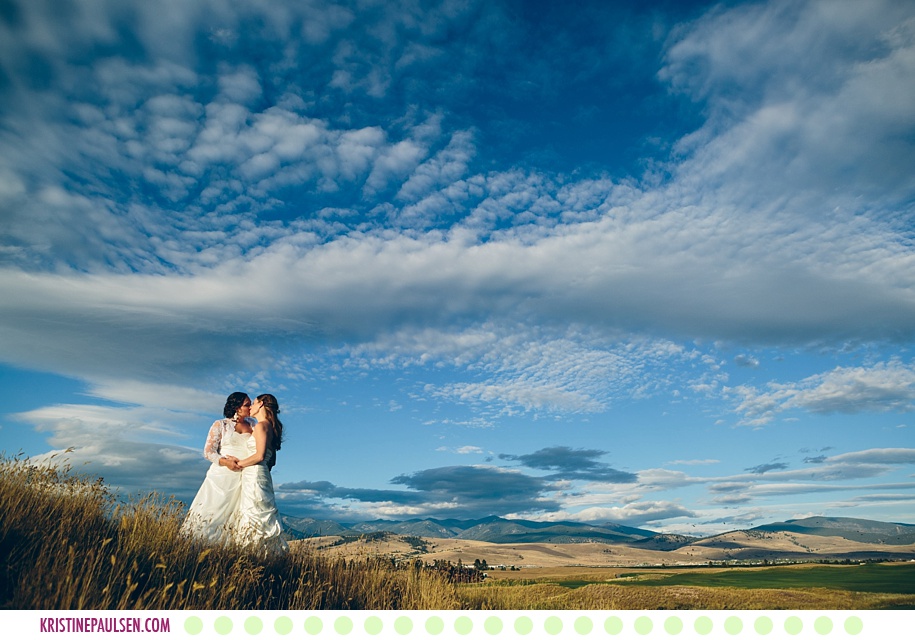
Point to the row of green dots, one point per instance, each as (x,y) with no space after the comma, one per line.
(523,625)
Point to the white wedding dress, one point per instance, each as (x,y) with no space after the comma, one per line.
(258,524)
(213,515)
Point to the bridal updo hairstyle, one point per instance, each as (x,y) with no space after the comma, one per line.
(273,408)
(233,403)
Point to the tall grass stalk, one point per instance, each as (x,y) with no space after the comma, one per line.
(67,542)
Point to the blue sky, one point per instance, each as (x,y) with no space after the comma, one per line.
(647,263)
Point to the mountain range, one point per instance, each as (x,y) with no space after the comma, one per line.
(853,529)
(499,530)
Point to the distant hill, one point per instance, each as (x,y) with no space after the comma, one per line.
(491,529)
(499,530)
(664,542)
(871,531)
(429,528)
(299,528)
(503,531)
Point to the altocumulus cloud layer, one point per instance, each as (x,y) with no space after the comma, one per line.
(335,166)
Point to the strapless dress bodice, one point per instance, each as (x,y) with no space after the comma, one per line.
(236,444)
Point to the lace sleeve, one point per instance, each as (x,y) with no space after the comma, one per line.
(211,448)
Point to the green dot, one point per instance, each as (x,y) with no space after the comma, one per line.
(643,625)
(854,625)
(194,625)
(823,625)
(763,625)
(283,625)
(583,625)
(403,625)
(373,625)
(463,625)
(493,625)
(673,625)
(223,625)
(435,625)
(343,625)
(313,625)
(793,625)
(254,625)
(553,625)
(613,625)
(524,625)
(733,625)
(703,625)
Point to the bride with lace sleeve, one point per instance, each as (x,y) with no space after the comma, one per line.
(212,514)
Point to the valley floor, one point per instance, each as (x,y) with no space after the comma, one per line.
(732,548)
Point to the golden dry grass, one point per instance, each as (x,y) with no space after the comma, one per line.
(66,542)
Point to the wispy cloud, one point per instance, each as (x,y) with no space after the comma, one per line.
(469,449)
(134,449)
(886,386)
(875,456)
(635,514)
(569,464)
(763,468)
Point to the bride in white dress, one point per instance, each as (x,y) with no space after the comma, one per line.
(258,523)
(214,510)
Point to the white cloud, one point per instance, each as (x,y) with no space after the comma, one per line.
(530,397)
(883,387)
(134,449)
(694,462)
(805,103)
(528,369)
(447,167)
(876,456)
(634,514)
(675,259)
(469,449)
(240,86)
(157,396)
(394,163)
(660,479)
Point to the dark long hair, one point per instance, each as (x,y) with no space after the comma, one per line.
(233,403)
(276,426)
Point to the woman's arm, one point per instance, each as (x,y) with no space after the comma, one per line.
(260,443)
(211,448)
(214,437)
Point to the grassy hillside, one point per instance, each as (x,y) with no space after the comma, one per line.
(67,543)
(890,533)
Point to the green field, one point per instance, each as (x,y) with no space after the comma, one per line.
(869,578)
(808,586)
